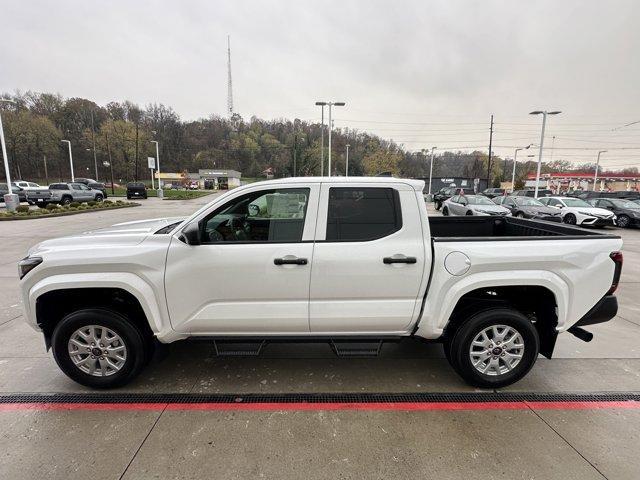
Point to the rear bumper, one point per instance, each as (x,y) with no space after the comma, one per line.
(601,312)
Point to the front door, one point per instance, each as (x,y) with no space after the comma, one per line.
(251,272)
(369,259)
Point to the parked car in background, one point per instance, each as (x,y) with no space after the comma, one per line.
(493,192)
(542,192)
(65,193)
(576,211)
(448,192)
(472,205)
(624,194)
(136,190)
(527,207)
(21,192)
(627,212)
(26,185)
(94,185)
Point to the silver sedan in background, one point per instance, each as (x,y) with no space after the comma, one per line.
(472,205)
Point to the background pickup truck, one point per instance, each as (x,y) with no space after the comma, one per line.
(351,261)
(65,193)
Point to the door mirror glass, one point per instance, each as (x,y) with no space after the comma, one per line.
(191,234)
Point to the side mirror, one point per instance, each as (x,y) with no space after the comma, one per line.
(254,210)
(191,234)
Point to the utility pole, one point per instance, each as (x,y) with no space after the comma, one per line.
(490,146)
(135,176)
(93,139)
(229,84)
(321,105)
(106,134)
(46,173)
(346,168)
(295,151)
(73,178)
(433,150)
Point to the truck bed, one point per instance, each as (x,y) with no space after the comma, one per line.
(479,228)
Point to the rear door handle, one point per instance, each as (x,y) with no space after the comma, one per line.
(402,259)
(290,261)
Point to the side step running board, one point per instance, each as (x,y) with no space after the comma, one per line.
(356,348)
(229,348)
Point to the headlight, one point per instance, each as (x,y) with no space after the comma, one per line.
(27,264)
(588,214)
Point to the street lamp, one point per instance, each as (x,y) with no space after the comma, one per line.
(160,192)
(330,104)
(11,200)
(433,149)
(595,177)
(346,168)
(73,178)
(321,105)
(515,158)
(544,114)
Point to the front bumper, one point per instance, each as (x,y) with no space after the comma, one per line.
(601,312)
(599,222)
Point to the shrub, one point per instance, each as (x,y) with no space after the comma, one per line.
(75,204)
(22,209)
(92,203)
(51,206)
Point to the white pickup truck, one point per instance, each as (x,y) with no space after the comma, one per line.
(351,261)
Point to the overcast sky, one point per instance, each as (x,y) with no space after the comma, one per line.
(421,72)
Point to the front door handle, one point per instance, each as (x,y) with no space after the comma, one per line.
(290,261)
(399,259)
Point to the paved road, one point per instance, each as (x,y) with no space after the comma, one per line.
(163,443)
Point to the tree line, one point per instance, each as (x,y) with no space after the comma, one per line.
(122,133)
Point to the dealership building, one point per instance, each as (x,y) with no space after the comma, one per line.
(210,179)
(567,181)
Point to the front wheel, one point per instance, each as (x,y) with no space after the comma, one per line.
(98,348)
(437,205)
(623,221)
(494,348)
(469,212)
(570,219)
(520,215)
(99,198)
(445,211)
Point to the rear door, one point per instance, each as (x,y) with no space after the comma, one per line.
(369,259)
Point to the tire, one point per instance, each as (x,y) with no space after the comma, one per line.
(520,215)
(129,336)
(99,197)
(469,212)
(128,197)
(570,219)
(42,204)
(623,221)
(438,205)
(445,211)
(498,374)
(66,200)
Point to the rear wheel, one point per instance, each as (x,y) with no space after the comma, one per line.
(437,204)
(494,348)
(569,219)
(98,348)
(520,215)
(469,212)
(66,200)
(445,211)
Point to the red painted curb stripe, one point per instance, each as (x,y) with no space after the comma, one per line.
(268,406)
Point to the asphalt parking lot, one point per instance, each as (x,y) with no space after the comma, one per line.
(346,443)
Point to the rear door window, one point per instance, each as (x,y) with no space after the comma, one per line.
(359,214)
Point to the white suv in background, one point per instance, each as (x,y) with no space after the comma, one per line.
(575,211)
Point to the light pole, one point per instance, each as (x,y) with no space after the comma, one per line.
(515,158)
(330,104)
(73,178)
(160,192)
(346,168)
(11,200)
(544,114)
(321,105)
(93,140)
(433,149)
(595,177)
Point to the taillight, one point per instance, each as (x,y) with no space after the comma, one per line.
(617,259)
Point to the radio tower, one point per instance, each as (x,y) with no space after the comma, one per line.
(229,84)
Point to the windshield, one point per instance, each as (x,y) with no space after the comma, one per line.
(479,200)
(527,202)
(575,202)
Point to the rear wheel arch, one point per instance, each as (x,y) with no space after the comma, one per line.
(538,303)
